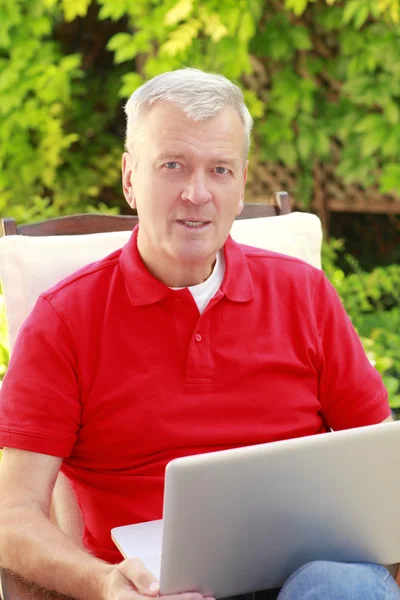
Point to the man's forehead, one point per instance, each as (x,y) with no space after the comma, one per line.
(166,120)
(170,131)
(173,111)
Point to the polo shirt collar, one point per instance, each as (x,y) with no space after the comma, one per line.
(143,288)
(238,283)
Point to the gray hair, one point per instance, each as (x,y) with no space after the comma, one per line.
(198,94)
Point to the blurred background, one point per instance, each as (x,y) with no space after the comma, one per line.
(321,79)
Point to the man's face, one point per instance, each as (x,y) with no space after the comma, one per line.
(188,186)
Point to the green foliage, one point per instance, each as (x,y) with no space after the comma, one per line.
(336,83)
(185,32)
(55,153)
(356,10)
(331,80)
(372,301)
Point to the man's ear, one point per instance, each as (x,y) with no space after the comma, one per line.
(241,202)
(127,172)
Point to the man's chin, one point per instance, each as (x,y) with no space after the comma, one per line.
(195,257)
(195,264)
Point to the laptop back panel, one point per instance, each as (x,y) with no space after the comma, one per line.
(244,519)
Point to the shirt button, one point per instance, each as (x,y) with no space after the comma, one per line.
(178,301)
(198,337)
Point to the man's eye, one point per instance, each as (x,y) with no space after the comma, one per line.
(172,165)
(221,170)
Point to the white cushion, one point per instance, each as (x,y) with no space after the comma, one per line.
(296,234)
(30,265)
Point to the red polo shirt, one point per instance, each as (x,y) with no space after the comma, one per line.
(119,374)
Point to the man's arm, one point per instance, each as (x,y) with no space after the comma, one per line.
(35,549)
(30,544)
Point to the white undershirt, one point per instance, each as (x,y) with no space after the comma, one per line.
(203,292)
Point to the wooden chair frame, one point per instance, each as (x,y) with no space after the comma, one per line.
(100,223)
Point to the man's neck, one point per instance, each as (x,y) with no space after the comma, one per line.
(179,276)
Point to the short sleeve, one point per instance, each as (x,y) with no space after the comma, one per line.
(351,390)
(40,406)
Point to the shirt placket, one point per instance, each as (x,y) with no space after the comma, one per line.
(200,365)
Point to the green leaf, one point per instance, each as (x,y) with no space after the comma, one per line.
(213,26)
(300,38)
(41,27)
(369,123)
(274,130)
(287,154)
(361,16)
(231,17)
(285,94)
(112,10)
(75,8)
(350,10)
(305,145)
(322,144)
(180,12)
(180,39)
(119,40)
(395,401)
(254,104)
(246,28)
(71,63)
(392,112)
(126,52)
(130,82)
(390,178)
(127,46)
(372,141)
(297,6)
(391,146)
(330,19)
(392,384)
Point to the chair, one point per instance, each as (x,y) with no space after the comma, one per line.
(34,257)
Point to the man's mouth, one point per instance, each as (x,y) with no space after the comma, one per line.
(192,223)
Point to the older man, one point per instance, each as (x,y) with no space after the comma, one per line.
(180,343)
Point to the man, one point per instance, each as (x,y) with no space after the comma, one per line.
(182,342)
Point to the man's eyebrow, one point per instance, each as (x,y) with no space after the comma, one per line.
(218,160)
(169,156)
(226,160)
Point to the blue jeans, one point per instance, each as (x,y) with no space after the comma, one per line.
(323,580)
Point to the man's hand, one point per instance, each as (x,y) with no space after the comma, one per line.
(130,580)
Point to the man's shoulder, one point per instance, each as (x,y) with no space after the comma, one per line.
(283,276)
(275,262)
(86,279)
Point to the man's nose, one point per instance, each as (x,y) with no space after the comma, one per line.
(196,190)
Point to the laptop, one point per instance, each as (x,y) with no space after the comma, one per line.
(242,520)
